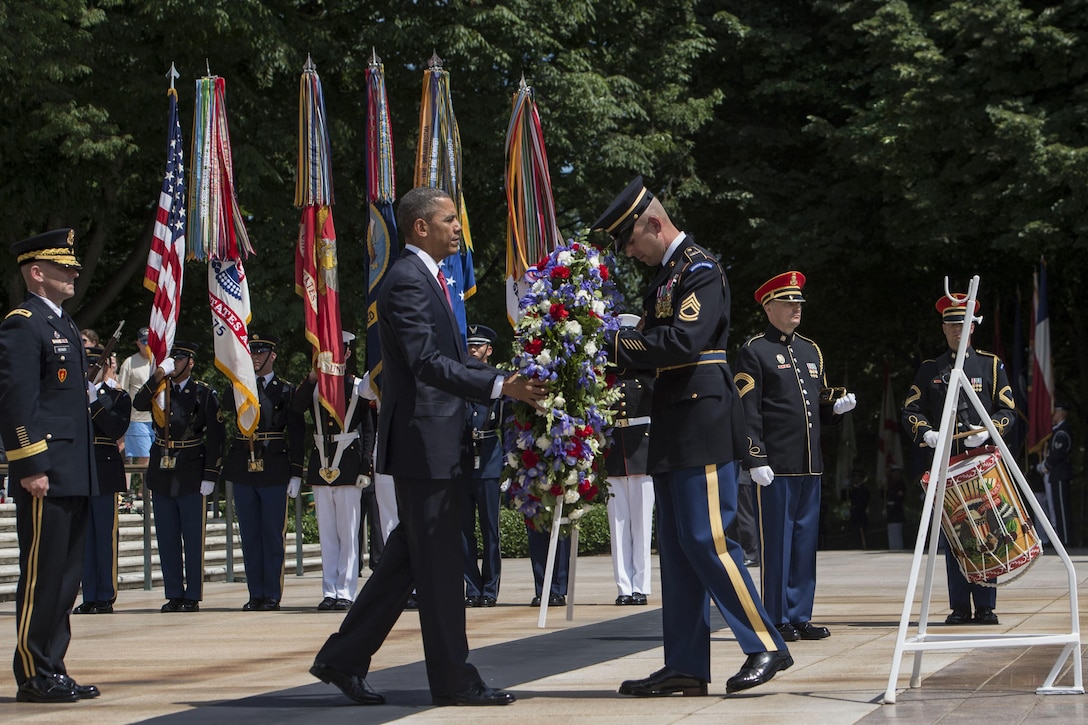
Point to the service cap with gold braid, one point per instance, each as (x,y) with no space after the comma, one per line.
(184,349)
(954,310)
(786,287)
(57,246)
(262,343)
(619,218)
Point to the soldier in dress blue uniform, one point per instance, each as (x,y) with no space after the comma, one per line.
(110,419)
(45,423)
(922,412)
(696,441)
(186,459)
(1057,468)
(780,377)
(482,583)
(261,469)
(631,487)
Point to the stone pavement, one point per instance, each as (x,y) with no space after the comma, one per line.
(222,665)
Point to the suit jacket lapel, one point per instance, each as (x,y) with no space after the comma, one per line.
(436,288)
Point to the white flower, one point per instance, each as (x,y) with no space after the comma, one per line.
(512,459)
(542,443)
(577,513)
(559,401)
(571,479)
(544,357)
(573,328)
(598,307)
(564,258)
(571,496)
(545,307)
(590,348)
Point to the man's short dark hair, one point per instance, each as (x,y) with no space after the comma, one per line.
(419,203)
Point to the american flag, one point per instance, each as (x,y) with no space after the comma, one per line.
(163,275)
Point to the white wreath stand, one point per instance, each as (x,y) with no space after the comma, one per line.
(549,570)
(935,491)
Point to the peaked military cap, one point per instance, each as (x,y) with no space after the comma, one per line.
(94,354)
(141,335)
(480,335)
(629,321)
(619,218)
(786,287)
(57,246)
(184,349)
(262,343)
(953,310)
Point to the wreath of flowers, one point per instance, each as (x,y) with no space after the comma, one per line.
(558,454)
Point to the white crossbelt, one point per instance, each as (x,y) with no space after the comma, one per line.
(343,440)
(631,422)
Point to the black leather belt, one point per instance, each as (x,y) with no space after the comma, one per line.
(177,445)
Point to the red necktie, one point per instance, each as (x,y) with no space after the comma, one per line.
(445,288)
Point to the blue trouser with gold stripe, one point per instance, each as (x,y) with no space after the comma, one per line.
(262,518)
(694,508)
(100,551)
(179,526)
(789,528)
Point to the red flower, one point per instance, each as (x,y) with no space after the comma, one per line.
(576,247)
(604,272)
(610,380)
(560,272)
(529,458)
(558,311)
(533,347)
(530,524)
(556,490)
(583,487)
(542,262)
(592,493)
(586,432)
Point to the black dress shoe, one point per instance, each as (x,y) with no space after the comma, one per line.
(83,692)
(638,598)
(270,605)
(789,632)
(327,604)
(172,605)
(189,605)
(44,689)
(85,608)
(624,600)
(486,601)
(751,562)
(103,608)
(808,630)
(412,602)
(355,687)
(958,616)
(253,605)
(478,694)
(472,602)
(342,605)
(758,668)
(557,600)
(535,602)
(985,615)
(665,681)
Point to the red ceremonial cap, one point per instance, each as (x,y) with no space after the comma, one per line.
(786,286)
(954,310)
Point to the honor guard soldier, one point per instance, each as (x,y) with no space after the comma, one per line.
(696,441)
(45,423)
(338,473)
(922,412)
(482,582)
(631,503)
(110,418)
(783,388)
(186,458)
(1057,470)
(260,470)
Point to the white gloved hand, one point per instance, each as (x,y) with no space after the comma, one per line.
(293,486)
(1041,467)
(505,486)
(976,439)
(845,404)
(763,475)
(92,392)
(930,438)
(167,366)
(362,481)
(206,487)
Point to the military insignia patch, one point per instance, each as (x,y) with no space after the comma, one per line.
(62,375)
(813,371)
(780,358)
(18,311)
(976,383)
(689,308)
(663,308)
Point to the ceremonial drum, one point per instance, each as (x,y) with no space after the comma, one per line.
(984,519)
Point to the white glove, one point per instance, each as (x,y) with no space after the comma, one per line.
(1041,467)
(206,487)
(92,392)
(930,438)
(167,366)
(362,481)
(976,439)
(845,404)
(505,486)
(293,486)
(763,475)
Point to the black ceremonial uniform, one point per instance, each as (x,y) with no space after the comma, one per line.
(627,455)
(696,439)
(46,427)
(922,413)
(195,446)
(260,487)
(1059,477)
(352,462)
(483,497)
(110,416)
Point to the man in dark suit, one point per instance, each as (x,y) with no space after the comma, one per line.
(110,420)
(186,458)
(45,423)
(696,441)
(261,469)
(423,442)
